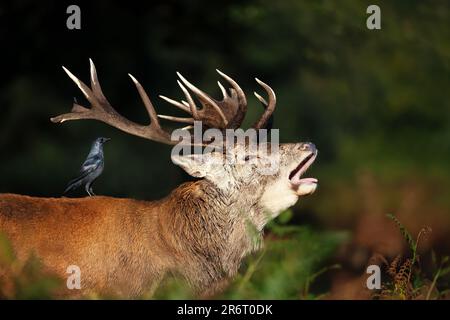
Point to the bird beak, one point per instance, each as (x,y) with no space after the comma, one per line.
(107,139)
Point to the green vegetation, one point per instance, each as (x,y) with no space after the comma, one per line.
(408,280)
(23,279)
(288,266)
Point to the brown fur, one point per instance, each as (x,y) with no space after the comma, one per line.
(125,246)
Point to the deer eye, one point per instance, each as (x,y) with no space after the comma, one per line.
(251,157)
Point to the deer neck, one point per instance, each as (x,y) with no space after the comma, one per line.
(212,228)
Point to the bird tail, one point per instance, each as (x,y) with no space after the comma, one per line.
(73,184)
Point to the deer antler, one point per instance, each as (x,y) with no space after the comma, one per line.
(102,110)
(225,114)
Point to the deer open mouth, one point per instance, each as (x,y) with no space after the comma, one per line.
(303,186)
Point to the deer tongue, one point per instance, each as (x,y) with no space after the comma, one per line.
(304,186)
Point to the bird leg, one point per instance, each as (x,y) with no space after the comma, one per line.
(88,189)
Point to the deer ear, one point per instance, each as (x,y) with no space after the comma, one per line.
(193,164)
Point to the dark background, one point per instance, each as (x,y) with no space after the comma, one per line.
(375,103)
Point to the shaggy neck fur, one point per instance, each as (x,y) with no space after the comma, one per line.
(213,230)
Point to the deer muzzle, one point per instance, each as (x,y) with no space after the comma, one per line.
(304,186)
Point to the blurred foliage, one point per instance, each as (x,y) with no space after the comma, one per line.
(288,266)
(407,279)
(23,279)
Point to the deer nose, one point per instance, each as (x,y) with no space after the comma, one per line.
(308,146)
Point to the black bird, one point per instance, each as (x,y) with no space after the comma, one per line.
(91,169)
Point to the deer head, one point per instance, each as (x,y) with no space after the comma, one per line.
(238,179)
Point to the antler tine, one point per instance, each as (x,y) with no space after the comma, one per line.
(263,101)
(205,99)
(176,119)
(236,121)
(81,85)
(95,85)
(190,101)
(148,104)
(270,106)
(239,91)
(224,92)
(177,104)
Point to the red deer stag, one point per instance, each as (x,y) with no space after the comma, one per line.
(199,231)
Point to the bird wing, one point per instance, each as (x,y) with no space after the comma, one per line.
(87,168)
(91,164)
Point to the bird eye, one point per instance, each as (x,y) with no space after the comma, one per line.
(247,158)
